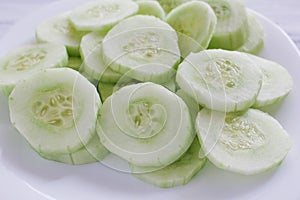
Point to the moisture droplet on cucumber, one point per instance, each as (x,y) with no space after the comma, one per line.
(151,8)
(195,23)
(220,80)
(249,142)
(143,48)
(59,30)
(58,113)
(178,173)
(232,26)
(93,67)
(102,15)
(276,85)
(145,129)
(21,62)
(255,41)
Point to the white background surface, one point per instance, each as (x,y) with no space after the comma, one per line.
(23,175)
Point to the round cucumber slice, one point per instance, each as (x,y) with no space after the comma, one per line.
(169,5)
(94,151)
(21,62)
(195,22)
(151,8)
(220,80)
(276,85)
(101,15)
(59,30)
(93,66)
(142,47)
(255,41)
(58,113)
(249,142)
(145,124)
(232,27)
(176,174)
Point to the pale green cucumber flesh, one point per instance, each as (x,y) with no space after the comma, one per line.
(276,83)
(21,62)
(255,41)
(145,129)
(151,8)
(249,142)
(142,47)
(59,30)
(193,106)
(102,15)
(176,174)
(232,27)
(93,66)
(169,5)
(74,63)
(58,113)
(220,80)
(195,23)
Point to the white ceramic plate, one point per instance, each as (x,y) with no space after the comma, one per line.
(23,174)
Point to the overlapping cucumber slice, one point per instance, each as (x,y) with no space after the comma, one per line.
(74,63)
(248,142)
(58,29)
(58,113)
(255,41)
(169,5)
(21,62)
(151,8)
(93,66)
(232,26)
(145,129)
(101,15)
(178,173)
(142,47)
(220,80)
(195,24)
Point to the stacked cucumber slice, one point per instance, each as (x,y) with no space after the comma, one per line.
(169,103)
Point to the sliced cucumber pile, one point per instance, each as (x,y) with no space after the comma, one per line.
(248,142)
(160,86)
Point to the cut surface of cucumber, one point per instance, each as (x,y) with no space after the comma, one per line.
(151,8)
(276,83)
(92,152)
(58,113)
(101,15)
(74,63)
(169,5)
(195,22)
(193,106)
(145,124)
(142,47)
(220,80)
(249,142)
(21,62)
(93,66)
(59,30)
(255,41)
(178,173)
(232,27)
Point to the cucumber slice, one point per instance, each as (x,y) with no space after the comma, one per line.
(169,5)
(220,80)
(143,48)
(59,30)
(94,151)
(93,66)
(232,26)
(102,15)
(20,63)
(255,41)
(276,85)
(195,22)
(58,113)
(248,142)
(176,174)
(147,125)
(193,106)
(151,8)
(74,63)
